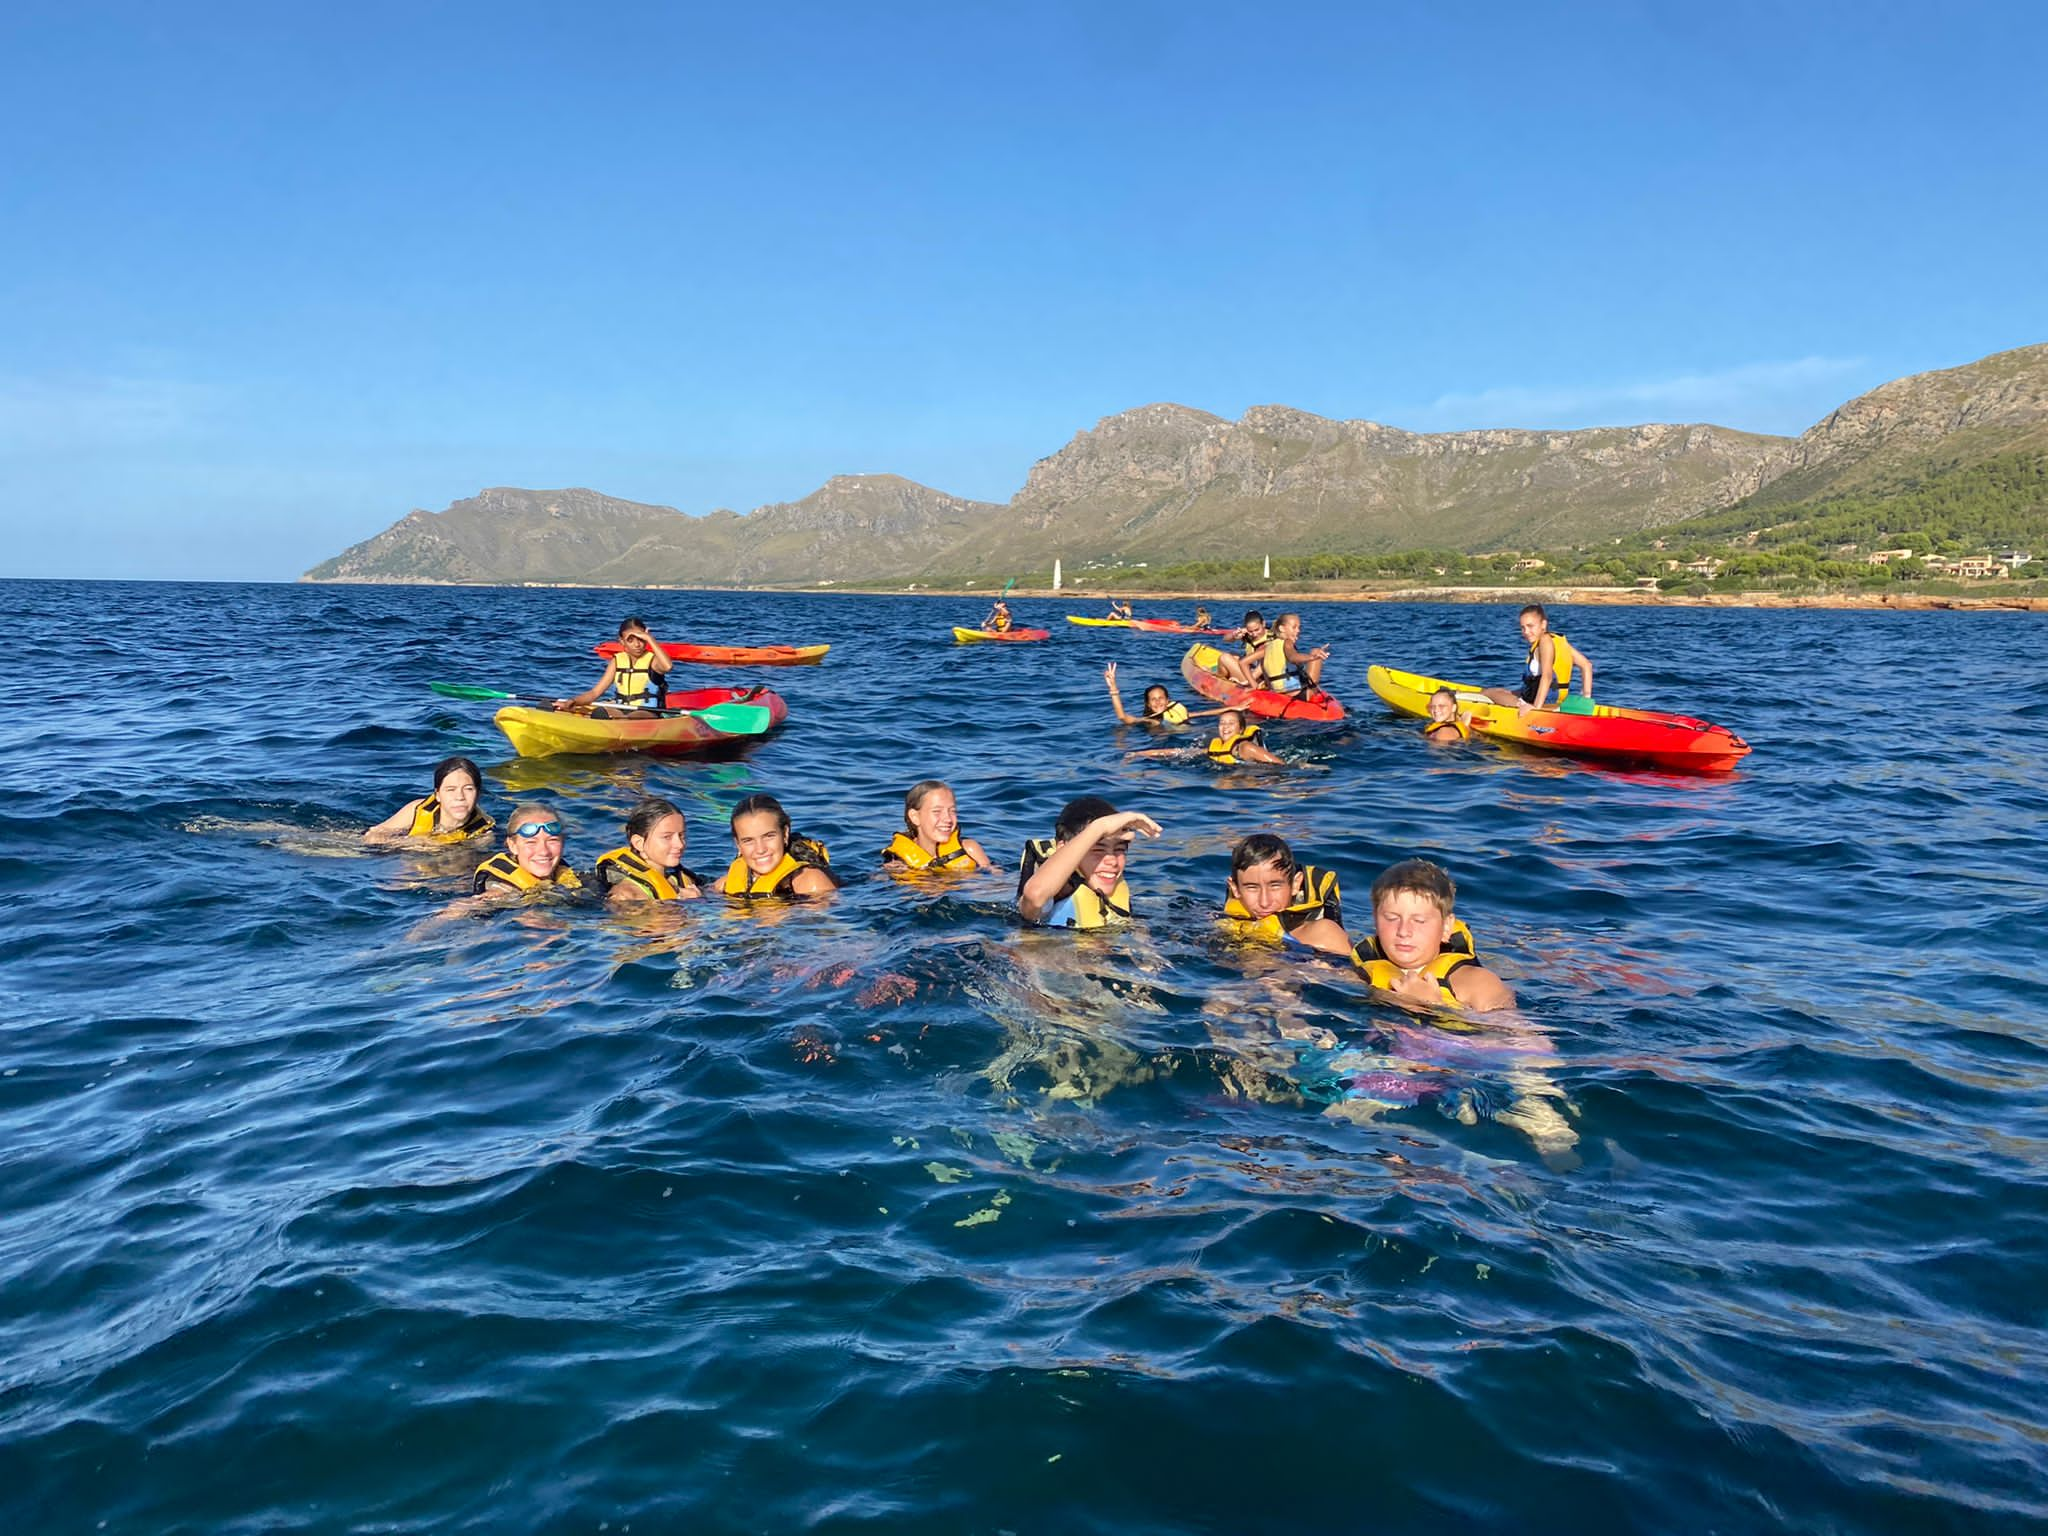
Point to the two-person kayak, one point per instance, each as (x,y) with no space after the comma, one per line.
(1583,728)
(969,636)
(1200,666)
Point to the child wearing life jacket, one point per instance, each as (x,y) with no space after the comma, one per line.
(774,860)
(1160,708)
(1075,879)
(930,839)
(637,674)
(1237,741)
(1282,666)
(449,815)
(532,860)
(1416,958)
(1551,660)
(650,865)
(1272,896)
(998,618)
(1447,722)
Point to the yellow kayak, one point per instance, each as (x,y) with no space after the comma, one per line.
(1075,618)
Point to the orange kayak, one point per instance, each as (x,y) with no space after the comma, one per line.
(734,655)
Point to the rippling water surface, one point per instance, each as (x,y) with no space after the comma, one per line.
(321,1211)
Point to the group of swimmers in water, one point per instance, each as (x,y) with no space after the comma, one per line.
(1418,949)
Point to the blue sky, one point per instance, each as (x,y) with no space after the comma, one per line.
(273,274)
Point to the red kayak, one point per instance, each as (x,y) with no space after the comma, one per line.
(734,655)
(1199,668)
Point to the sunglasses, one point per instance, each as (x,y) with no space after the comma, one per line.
(538,829)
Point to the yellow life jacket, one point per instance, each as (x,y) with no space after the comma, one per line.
(1173,714)
(1315,895)
(503,869)
(742,881)
(624,866)
(423,823)
(1431,727)
(636,682)
(907,851)
(1221,751)
(1562,659)
(1460,942)
(998,622)
(1384,973)
(1079,905)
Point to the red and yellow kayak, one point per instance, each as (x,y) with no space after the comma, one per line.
(969,636)
(1606,731)
(548,732)
(1199,667)
(734,655)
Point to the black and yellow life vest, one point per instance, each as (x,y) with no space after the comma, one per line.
(1315,895)
(998,622)
(430,808)
(1384,973)
(636,682)
(741,881)
(1562,659)
(907,851)
(1431,727)
(1459,942)
(1222,751)
(503,869)
(1079,904)
(622,866)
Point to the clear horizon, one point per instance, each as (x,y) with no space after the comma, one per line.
(275,277)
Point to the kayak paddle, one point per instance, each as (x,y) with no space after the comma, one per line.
(735,718)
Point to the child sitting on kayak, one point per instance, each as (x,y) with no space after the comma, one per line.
(1447,722)
(773,860)
(1282,666)
(1272,896)
(1551,659)
(637,674)
(1075,879)
(1160,708)
(930,839)
(1118,609)
(449,815)
(532,860)
(998,618)
(650,865)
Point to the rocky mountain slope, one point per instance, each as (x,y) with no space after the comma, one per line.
(1166,483)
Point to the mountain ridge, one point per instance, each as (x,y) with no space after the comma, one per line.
(1168,481)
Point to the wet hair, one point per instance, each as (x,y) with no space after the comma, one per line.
(803,849)
(1077,814)
(1420,877)
(1253,613)
(1262,848)
(631,621)
(1443,693)
(1243,722)
(918,793)
(449,765)
(1159,688)
(649,814)
(1290,614)
(1537,609)
(531,810)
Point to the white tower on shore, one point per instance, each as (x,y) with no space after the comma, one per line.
(1269,567)
(1055,575)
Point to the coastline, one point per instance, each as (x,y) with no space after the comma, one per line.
(1335,592)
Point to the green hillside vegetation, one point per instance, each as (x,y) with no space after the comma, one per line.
(1933,507)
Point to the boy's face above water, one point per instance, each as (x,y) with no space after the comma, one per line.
(1411,928)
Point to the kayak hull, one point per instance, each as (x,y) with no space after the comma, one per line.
(734,655)
(552,733)
(970,636)
(1610,733)
(1145,626)
(1198,668)
(1075,618)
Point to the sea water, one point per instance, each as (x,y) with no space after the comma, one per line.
(323,1210)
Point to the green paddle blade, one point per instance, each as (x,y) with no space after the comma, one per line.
(735,719)
(468,691)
